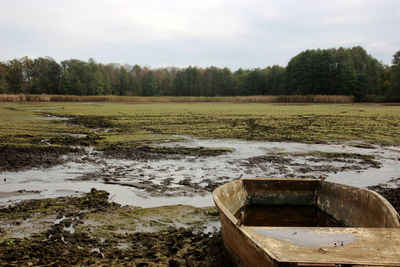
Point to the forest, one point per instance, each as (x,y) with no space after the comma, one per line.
(342,71)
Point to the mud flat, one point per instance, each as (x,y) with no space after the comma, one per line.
(186,172)
(48,218)
(53,155)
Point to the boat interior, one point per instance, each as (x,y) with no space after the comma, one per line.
(307,221)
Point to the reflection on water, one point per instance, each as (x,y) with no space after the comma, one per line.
(280,215)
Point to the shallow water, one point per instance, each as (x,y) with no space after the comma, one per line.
(308,237)
(49,117)
(189,180)
(280,215)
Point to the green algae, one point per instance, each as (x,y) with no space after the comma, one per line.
(127,124)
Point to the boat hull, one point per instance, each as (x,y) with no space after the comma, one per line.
(372,225)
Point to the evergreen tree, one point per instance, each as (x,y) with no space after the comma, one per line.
(150,85)
(348,71)
(15,77)
(3,81)
(395,77)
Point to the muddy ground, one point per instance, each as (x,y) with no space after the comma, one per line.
(392,194)
(90,230)
(15,158)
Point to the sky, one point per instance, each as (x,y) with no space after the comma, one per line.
(222,33)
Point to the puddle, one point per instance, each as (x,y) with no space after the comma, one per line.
(26,227)
(190,179)
(308,237)
(279,215)
(50,117)
(69,229)
(79,136)
(212,227)
(95,250)
(58,221)
(120,194)
(42,110)
(124,245)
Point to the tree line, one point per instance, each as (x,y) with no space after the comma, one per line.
(342,71)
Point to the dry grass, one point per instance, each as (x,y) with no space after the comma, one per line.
(298,99)
(166,99)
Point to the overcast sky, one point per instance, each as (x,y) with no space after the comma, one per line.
(248,34)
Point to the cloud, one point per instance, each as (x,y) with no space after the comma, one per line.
(384,50)
(106,21)
(381,45)
(347,20)
(225,32)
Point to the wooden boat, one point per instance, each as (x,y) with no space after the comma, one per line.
(364,230)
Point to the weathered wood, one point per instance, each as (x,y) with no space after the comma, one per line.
(310,246)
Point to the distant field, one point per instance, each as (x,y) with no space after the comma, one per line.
(136,124)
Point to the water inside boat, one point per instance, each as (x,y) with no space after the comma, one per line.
(283,215)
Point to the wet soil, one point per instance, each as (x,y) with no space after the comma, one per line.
(14,158)
(188,171)
(157,153)
(90,230)
(391,194)
(68,140)
(314,162)
(93,121)
(174,247)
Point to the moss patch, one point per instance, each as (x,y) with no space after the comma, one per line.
(133,125)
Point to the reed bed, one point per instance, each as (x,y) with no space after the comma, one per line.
(167,99)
